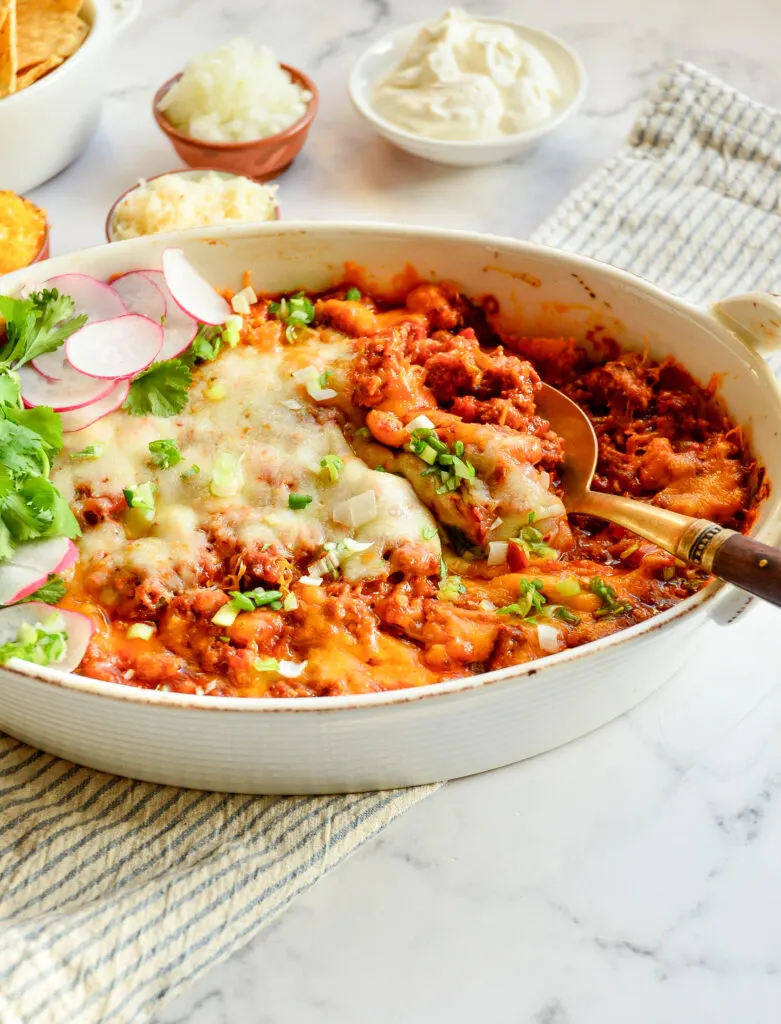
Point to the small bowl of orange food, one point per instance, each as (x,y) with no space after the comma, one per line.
(24,233)
(236,109)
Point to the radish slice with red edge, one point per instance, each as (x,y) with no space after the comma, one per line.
(141,295)
(78,627)
(73,391)
(78,419)
(31,565)
(95,298)
(112,349)
(179,329)
(191,292)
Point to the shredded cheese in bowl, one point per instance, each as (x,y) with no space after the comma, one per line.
(191,199)
(237,93)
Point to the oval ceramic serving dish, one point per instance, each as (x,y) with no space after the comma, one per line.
(456,728)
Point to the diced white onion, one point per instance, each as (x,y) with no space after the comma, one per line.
(310,581)
(495,524)
(291,669)
(497,552)
(310,378)
(420,423)
(545,479)
(292,403)
(354,547)
(357,511)
(488,606)
(239,303)
(141,631)
(548,637)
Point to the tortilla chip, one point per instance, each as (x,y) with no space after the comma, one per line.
(69,6)
(8,60)
(29,75)
(43,31)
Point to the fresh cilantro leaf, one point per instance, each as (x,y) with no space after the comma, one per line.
(21,450)
(36,325)
(6,541)
(10,389)
(41,421)
(159,391)
(165,453)
(37,509)
(51,592)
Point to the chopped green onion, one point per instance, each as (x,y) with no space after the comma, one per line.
(298,501)
(142,498)
(610,603)
(363,432)
(92,451)
(165,453)
(216,392)
(266,665)
(568,587)
(192,471)
(231,331)
(566,616)
(353,295)
(450,589)
(322,380)
(531,600)
(227,477)
(45,643)
(226,615)
(333,465)
(290,603)
(429,532)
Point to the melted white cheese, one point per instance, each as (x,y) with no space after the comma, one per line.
(280,449)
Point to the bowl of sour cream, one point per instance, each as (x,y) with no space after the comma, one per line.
(467,91)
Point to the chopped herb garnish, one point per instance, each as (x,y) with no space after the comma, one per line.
(533,542)
(450,589)
(298,501)
(610,603)
(353,295)
(333,466)
(141,497)
(165,453)
(36,325)
(159,391)
(191,471)
(566,615)
(51,592)
(380,469)
(206,345)
(449,466)
(296,312)
(266,665)
(429,532)
(92,451)
(531,600)
(363,432)
(44,643)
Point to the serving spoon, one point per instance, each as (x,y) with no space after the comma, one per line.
(747,563)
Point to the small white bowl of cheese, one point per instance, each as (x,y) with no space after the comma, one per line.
(185,199)
(465,91)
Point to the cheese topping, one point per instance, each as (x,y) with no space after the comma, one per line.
(278,436)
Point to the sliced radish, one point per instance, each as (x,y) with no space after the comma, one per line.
(72,391)
(95,298)
(179,328)
(78,627)
(31,564)
(141,295)
(190,291)
(111,349)
(78,419)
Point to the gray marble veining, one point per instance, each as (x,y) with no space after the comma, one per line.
(632,876)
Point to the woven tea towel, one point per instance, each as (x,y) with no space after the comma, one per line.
(115,894)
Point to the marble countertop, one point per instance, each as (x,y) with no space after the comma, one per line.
(632,875)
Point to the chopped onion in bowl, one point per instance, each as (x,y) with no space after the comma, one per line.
(236,93)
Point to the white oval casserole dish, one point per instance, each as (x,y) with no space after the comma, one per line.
(457,728)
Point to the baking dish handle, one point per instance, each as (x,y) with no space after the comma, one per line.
(755,317)
(125,13)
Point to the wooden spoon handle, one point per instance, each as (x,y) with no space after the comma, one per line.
(749,565)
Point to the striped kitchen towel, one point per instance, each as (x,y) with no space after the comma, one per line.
(116,894)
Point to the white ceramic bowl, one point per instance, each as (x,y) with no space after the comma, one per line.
(384,54)
(49,124)
(451,729)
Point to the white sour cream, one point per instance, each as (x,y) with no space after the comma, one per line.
(467,79)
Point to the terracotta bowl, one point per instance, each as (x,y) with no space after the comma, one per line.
(190,173)
(260,159)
